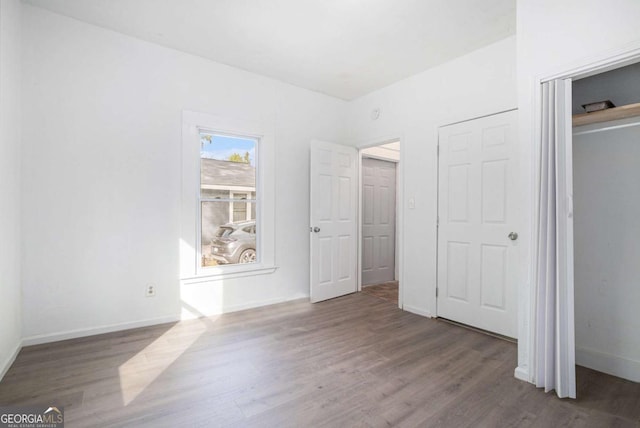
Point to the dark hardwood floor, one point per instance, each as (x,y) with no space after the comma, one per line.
(351,361)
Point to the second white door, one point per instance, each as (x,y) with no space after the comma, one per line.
(476,236)
(378,221)
(334,220)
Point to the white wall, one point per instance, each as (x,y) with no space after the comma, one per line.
(477,84)
(554,37)
(101,178)
(10,289)
(607,232)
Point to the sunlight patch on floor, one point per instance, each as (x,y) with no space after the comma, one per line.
(140,371)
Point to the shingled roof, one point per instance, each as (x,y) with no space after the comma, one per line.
(226,173)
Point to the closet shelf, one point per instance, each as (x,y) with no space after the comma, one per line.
(622,112)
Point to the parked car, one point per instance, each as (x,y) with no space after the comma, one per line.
(235,243)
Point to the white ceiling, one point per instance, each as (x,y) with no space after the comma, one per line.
(343,48)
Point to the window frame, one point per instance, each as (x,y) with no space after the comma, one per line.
(194,124)
(202,270)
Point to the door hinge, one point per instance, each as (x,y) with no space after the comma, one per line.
(436,291)
(438,221)
(438,150)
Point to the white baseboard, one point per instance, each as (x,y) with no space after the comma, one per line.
(417,311)
(257,304)
(611,364)
(521,373)
(83,332)
(6,364)
(92,331)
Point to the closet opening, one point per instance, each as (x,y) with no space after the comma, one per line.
(606,221)
(379,237)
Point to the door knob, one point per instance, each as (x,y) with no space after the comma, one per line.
(316,229)
(513,236)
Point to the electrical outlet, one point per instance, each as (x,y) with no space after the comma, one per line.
(150,290)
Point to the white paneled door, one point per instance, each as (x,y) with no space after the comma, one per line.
(378,221)
(333,225)
(477,239)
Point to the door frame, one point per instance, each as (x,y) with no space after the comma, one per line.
(438,196)
(399,211)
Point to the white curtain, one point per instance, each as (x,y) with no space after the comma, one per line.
(554,343)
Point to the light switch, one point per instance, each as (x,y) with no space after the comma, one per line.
(412,203)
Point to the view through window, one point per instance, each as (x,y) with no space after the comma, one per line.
(228,201)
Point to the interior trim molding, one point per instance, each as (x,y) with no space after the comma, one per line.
(599,63)
(417,311)
(521,373)
(244,306)
(92,331)
(6,365)
(252,271)
(611,364)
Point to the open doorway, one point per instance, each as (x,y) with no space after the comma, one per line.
(379,261)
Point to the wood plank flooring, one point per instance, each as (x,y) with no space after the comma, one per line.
(386,291)
(352,361)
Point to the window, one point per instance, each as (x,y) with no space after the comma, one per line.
(228,200)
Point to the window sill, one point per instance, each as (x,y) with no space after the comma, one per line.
(230,272)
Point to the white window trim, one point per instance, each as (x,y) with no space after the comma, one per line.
(233,188)
(190,250)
